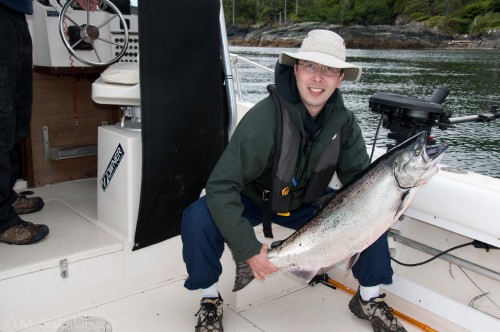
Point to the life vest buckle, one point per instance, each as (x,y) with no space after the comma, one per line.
(285,191)
(266,195)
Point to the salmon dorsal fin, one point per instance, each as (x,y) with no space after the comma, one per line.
(305,273)
(321,202)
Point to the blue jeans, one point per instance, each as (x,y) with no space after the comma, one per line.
(203,245)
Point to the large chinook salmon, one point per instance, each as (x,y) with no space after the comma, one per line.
(357,215)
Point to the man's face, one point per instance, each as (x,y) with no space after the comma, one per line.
(316,83)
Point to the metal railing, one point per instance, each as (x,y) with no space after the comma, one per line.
(234,63)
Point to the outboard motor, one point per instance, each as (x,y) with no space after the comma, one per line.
(406,116)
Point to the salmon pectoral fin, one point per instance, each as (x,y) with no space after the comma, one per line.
(306,273)
(244,276)
(402,204)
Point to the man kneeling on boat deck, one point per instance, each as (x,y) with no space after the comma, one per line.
(306,94)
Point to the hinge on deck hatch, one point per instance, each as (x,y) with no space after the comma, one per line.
(64,268)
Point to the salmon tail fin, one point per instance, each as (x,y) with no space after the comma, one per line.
(244,275)
(304,273)
(352,260)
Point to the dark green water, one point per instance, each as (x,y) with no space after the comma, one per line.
(473,76)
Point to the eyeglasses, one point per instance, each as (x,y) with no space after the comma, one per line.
(313,68)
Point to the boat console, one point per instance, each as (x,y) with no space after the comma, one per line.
(119,188)
(107,37)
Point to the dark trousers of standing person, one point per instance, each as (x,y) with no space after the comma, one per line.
(16,91)
(203,245)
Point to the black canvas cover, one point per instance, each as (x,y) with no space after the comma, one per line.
(182,109)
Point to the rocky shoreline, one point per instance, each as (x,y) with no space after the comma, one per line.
(404,36)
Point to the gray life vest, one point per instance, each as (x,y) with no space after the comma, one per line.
(284,189)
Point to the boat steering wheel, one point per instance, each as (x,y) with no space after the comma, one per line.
(88,34)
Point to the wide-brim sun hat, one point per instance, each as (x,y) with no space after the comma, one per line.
(326,48)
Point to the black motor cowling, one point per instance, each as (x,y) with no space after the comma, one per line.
(406,116)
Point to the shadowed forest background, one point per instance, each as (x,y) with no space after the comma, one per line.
(444,16)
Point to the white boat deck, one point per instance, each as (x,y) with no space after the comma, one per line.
(171,308)
(143,290)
